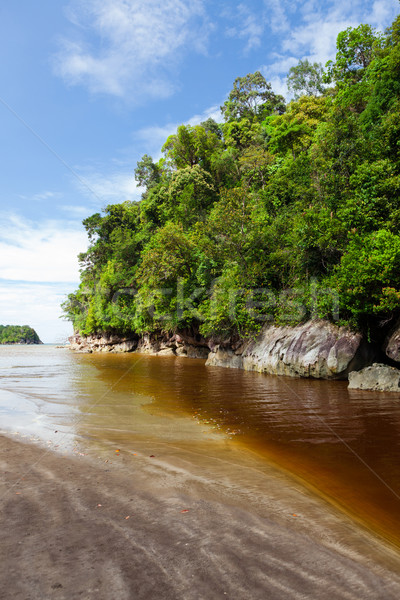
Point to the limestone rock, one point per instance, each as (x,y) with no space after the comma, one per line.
(224,357)
(192,351)
(101,343)
(163,344)
(377,377)
(126,346)
(392,343)
(314,349)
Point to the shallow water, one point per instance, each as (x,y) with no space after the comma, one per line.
(343,444)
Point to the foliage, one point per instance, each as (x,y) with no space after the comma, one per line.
(295,129)
(370,265)
(252,98)
(306,79)
(355,50)
(147,173)
(280,213)
(192,146)
(18,334)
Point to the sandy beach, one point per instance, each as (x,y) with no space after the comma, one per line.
(159,527)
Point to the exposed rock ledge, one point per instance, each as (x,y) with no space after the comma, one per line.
(174,344)
(378,377)
(314,349)
(102,343)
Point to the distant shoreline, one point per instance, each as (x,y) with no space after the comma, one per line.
(22,344)
(18,334)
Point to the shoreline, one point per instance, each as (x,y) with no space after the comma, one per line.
(197,528)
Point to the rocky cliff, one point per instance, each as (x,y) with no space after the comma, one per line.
(316,349)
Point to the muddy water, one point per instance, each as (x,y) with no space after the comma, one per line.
(344,445)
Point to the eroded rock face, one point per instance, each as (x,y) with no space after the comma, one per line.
(314,349)
(392,344)
(377,377)
(178,344)
(160,344)
(224,357)
(102,343)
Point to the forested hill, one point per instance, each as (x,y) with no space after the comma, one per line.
(283,212)
(18,334)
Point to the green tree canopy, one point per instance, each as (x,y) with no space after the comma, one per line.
(192,146)
(356,47)
(269,208)
(306,79)
(252,98)
(147,173)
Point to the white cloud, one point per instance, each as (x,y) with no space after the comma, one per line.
(253,23)
(281,64)
(278,85)
(111,188)
(250,27)
(36,305)
(155,136)
(42,196)
(214,112)
(383,12)
(128,47)
(314,37)
(42,252)
(79,212)
(277,14)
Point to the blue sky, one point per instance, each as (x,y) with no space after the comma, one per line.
(89,86)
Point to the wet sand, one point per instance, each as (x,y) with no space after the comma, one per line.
(176,526)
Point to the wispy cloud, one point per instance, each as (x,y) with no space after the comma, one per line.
(155,136)
(316,39)
(253,21)
(76,211)
(316,35)
(46,251)
(110,188)
(277,14)
(130,47)
(250,27)
(42,196)
(317,26)
(382,13)
(280,64)
(213,112)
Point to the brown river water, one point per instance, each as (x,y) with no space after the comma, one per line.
(343,445)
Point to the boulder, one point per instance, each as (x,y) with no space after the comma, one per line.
(190,351)
(392,343)
(377,377)
(314,349)
(224,357)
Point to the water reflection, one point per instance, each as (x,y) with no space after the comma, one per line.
(344,444)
